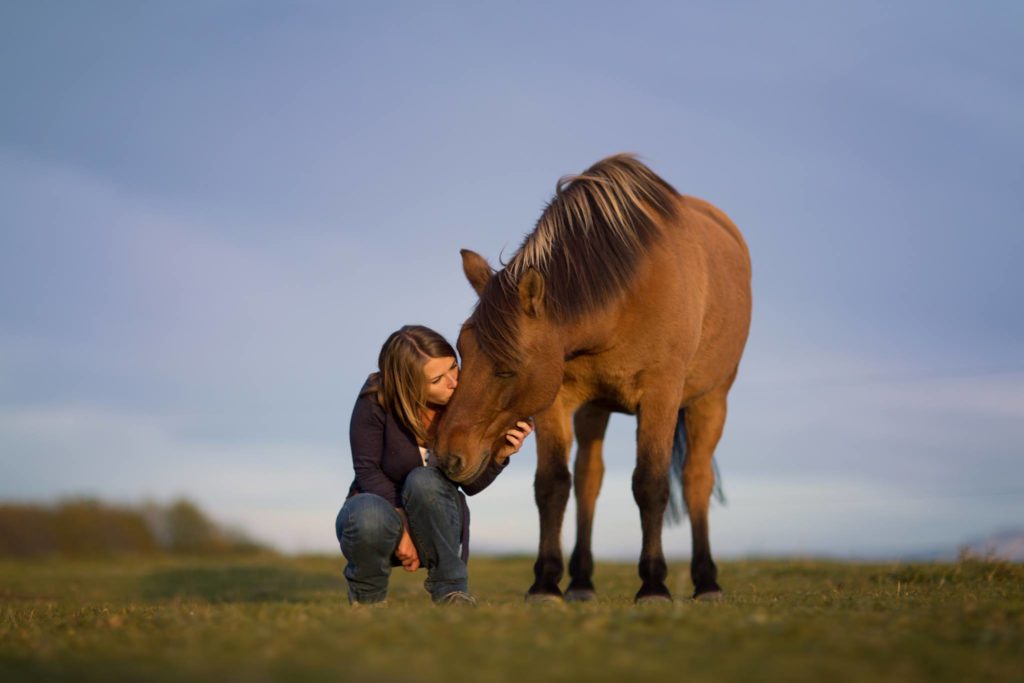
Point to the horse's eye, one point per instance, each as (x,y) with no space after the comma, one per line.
(504,374)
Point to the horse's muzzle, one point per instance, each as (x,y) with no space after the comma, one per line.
(451,465)
(455,468)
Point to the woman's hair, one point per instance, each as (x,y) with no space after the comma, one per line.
(399,382)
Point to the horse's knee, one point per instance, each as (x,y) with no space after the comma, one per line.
(650,487)
(552,481)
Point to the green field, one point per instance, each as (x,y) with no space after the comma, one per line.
(277,618)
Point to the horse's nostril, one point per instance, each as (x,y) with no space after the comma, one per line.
(454,464)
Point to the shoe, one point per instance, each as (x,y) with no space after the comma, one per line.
(458,598)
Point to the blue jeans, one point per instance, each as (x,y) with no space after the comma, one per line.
(369,530)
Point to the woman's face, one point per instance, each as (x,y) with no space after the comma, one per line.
(442,376)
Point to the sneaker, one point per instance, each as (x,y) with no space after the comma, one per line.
(458,598)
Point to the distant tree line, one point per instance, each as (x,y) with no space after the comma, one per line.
(87,527)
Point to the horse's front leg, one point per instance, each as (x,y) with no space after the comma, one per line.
(656,422)
(551,492)
(590,423)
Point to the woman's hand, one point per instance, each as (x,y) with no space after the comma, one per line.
(514,439)
(406,550)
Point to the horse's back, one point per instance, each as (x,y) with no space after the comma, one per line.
(714,220)
(726,301)
(683,323)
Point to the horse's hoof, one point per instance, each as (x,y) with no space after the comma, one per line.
(654,600)
(543,599)
(710,596)
(580,595)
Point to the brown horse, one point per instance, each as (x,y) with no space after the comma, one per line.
(627,297)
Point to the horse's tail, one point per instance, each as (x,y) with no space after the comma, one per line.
(676,505)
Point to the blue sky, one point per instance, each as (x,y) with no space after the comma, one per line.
(212,214)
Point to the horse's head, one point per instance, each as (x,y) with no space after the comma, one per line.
(512,364)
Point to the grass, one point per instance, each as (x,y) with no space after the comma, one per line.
(276,618)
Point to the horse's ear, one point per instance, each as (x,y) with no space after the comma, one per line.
(531,293)
(477,270)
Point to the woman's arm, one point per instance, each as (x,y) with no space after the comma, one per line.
(406,551)
(366,436)
(486,477)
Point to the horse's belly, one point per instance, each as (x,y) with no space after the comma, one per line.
(611,405)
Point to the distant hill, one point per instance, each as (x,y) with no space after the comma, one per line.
(89,527)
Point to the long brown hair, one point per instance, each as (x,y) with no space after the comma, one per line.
(399,382)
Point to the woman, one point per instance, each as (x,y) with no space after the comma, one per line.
(401,510)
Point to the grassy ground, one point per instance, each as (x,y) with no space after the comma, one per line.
(272,618)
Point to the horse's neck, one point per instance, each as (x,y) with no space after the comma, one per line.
(590,334)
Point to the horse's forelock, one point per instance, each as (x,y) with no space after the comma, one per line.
(494,320)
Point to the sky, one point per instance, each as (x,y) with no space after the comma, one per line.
(212,214)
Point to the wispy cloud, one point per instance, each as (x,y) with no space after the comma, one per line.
(197,267)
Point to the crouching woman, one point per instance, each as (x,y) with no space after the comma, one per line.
(401,510)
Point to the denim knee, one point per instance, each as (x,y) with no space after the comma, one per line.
(368,520)
(427,483)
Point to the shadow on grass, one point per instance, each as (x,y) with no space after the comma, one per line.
(238,584)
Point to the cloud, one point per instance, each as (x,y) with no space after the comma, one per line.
(119,299)
(288,492)
(220,347)
(196,273)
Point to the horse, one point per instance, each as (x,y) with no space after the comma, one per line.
(626,297)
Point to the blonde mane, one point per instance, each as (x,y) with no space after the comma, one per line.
(586,245)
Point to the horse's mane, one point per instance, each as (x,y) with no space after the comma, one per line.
(586,245)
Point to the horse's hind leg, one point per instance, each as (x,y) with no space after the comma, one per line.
(551,492)
(590,423)
(656,422)
(705,420)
